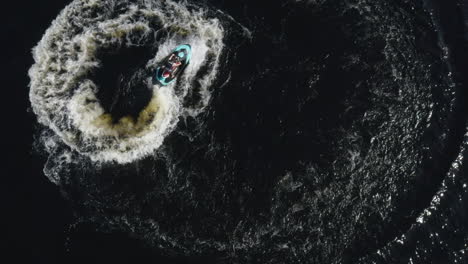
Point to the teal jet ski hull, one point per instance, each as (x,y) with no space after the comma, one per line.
(184,54)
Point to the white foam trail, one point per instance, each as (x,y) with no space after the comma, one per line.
(63,96)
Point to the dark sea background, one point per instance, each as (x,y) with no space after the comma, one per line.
(336,133)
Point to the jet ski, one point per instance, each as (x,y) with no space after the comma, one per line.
(174,64)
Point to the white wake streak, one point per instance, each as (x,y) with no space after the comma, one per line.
(63,96)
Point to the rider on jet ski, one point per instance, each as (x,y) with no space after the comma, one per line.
(172,64)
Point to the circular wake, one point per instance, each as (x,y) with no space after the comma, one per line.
(95,111)
(338,137)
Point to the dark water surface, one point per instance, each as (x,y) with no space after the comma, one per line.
(335,132)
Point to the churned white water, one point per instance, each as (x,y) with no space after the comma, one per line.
(64,95)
